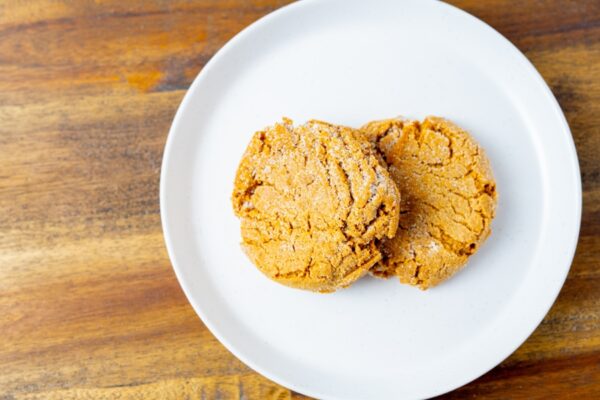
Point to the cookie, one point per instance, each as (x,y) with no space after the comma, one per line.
(313,201)
(448,198)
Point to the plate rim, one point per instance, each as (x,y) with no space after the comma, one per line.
(569,248)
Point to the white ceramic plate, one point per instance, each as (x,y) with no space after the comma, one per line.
(349,62)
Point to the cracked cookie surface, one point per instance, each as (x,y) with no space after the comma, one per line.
(448,198)
(313,201)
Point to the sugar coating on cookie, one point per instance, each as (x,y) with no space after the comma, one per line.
(448,198)
(313,201)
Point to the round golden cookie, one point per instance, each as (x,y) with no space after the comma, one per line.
(313,200)
(448,198)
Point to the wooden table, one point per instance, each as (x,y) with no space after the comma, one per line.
(89,304)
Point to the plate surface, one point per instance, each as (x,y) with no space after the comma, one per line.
(349,62)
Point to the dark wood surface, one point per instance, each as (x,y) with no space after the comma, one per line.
(89,304)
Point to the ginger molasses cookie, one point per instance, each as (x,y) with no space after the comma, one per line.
(314,201)
(448,198)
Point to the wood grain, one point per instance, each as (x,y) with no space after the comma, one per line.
(89,305)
